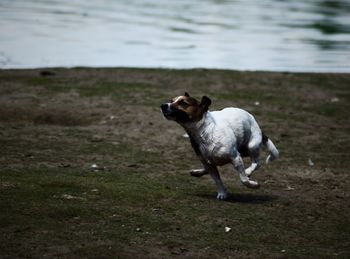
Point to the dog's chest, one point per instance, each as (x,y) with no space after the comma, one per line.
(214,148)
(215,154)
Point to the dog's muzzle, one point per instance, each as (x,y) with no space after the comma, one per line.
(171,113)
(166,109)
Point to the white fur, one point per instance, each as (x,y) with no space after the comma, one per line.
(273,152)
(219,135)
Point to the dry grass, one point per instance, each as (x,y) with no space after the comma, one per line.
(141,201)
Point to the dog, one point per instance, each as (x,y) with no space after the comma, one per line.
(220,137)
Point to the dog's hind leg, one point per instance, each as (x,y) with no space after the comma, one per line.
(198,172)
(254,152)
(254,166)
(239,166)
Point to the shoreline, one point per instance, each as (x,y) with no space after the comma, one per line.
(347,71)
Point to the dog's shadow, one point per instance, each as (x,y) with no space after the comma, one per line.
(243,198)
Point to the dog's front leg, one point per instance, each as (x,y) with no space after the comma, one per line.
(198,172)
(214,173)
(208,168)
(239,166)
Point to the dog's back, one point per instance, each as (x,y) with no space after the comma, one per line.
(241,122)
(245,129)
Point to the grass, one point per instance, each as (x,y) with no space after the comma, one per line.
(112,208)
(141,201)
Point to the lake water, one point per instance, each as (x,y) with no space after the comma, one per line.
(295,35)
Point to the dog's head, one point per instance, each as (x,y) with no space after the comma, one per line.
(185,109)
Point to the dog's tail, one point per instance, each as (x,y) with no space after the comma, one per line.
(273,152)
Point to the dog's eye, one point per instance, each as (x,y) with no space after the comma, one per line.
(183,104)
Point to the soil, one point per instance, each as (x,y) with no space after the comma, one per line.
(90,168)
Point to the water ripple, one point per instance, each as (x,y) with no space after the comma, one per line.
(255,35)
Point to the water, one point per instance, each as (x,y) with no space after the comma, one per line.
(295,35)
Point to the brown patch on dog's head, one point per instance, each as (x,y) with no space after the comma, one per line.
(185,108)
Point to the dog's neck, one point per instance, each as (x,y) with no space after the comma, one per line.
(200,129)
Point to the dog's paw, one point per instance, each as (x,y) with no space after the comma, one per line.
(252,184)
(248,171)
(198,172)
(222,196)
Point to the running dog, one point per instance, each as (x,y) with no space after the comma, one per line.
(220,137)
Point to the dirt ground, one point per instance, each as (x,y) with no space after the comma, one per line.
(91,169)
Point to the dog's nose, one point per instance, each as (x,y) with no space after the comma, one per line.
(164,107)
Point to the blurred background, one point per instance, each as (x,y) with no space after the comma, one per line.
(274,35)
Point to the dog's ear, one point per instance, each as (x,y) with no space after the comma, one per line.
(186,94)
(205,103)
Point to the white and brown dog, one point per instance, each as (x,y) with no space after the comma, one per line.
(220,137)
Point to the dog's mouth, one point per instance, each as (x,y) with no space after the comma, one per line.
(169,116)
